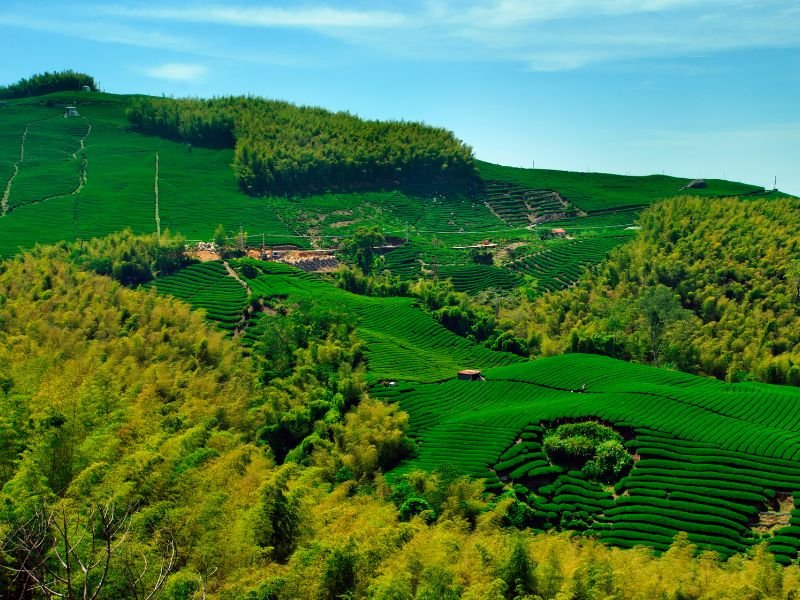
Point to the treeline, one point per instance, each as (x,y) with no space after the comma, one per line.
(47,83)
(281,148)
(707,287)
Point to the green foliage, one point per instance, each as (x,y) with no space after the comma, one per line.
(360,248)
(131,259)
(281,148)
(519,572)
(729,263)
(277,519)
(590,446)
(47,83)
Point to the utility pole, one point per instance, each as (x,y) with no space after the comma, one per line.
(262,246)
(775,183)
(241,238)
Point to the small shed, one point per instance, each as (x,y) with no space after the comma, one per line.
(695,184)
(71,111)
(469,375)
(558,232)
(86,88)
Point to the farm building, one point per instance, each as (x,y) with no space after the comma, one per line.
(71,111)
(86,88)
(469,375)
(558,232)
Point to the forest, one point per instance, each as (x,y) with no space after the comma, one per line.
(705,287)
(142,452)
(47,83)
(281,148)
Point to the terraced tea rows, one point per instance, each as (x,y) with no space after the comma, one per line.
(403,343)
(473,279)
(560,265)
(520,207)
(208,286)
(197,190)
(712,459)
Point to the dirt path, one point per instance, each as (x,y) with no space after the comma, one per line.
(235,275)
(491,210)
(7,192)
(158,219)
(82,147)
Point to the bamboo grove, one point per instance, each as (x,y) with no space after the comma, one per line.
(282,148)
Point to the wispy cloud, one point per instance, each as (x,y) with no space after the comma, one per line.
(321,17)
(542,36)
(177,72)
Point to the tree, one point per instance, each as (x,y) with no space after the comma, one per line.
(519,572)
(793,279)
(361,246)
(58,553)
(659,310)
(277,520)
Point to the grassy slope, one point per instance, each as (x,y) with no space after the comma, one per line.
(712,454)
(402,341)
(197,191)
(604,191)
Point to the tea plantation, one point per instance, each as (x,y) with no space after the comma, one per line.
(710,458)
(78,178)
(402,341)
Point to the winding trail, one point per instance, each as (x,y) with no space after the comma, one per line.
(235,275)
(81,148)
(7,192)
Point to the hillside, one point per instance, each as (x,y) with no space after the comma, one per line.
(729,271)
(82,177)
(242,429)
(711,458)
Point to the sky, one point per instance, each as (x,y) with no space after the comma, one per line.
(692,88)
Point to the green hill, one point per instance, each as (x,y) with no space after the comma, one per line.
(732,268)
(82,177)
(709,456)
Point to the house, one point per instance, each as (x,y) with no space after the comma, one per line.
(469,375)
(558,232)
(71,111)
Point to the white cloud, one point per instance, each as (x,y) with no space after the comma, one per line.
(177,72)
(321,17)
(542,35)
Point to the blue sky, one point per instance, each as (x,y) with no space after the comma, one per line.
(692,88)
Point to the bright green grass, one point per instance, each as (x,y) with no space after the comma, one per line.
(476,278)
(197,189)
(208,287)
(561,262)
(603,191)
(711,454)
(403,343)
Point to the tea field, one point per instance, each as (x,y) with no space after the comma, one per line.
(716,460)
(78,178)
(402,341)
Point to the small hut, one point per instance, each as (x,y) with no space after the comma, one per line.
(469,375)
(71,111)
(86,88)
(695,184)
(558,232)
